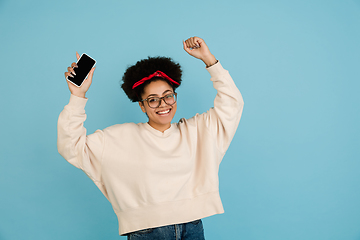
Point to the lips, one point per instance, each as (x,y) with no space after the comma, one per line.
(164,112)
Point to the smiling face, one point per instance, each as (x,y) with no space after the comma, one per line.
(159,118)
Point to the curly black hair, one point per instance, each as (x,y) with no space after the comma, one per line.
(144,68)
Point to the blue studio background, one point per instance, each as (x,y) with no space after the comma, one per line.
(293,168)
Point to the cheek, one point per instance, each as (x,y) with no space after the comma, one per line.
(174,109)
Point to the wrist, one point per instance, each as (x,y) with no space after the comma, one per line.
(209,60)
(81,95)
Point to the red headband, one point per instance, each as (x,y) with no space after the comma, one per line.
(155,74)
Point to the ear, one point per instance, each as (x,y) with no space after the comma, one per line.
(141,104)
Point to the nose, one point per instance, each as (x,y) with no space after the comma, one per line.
(162,103)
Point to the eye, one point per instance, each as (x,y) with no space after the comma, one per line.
(171,95)
(153,100)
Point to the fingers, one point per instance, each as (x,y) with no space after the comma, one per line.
(67,74)
(186,48)
(74,65)
(197,48)
(71,72)
(193,42)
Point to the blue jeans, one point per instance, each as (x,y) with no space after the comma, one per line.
(185,231)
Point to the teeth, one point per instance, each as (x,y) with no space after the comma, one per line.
(164,112)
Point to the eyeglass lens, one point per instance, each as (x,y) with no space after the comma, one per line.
(169,99)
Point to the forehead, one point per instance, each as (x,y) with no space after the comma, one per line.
(157,87)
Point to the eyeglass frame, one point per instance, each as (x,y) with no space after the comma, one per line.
(161,98)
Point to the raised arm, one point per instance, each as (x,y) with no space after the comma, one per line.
(81,150)
(222,120)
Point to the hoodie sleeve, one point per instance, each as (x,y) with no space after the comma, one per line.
(82,151)
(223,119)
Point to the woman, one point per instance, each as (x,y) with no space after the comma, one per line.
(160,177)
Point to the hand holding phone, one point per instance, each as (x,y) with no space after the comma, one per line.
(77,73)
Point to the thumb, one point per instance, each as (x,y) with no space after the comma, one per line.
(77,56)
(91,73)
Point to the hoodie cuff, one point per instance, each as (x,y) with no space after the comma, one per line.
(77,102)
(216,69)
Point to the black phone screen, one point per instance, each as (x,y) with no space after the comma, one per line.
(85,64)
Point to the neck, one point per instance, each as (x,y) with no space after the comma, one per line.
(161,128)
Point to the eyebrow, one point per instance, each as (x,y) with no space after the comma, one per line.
(155,95)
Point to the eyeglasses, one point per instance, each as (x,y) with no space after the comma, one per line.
(154,102)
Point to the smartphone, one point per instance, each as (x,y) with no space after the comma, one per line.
(85,64)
